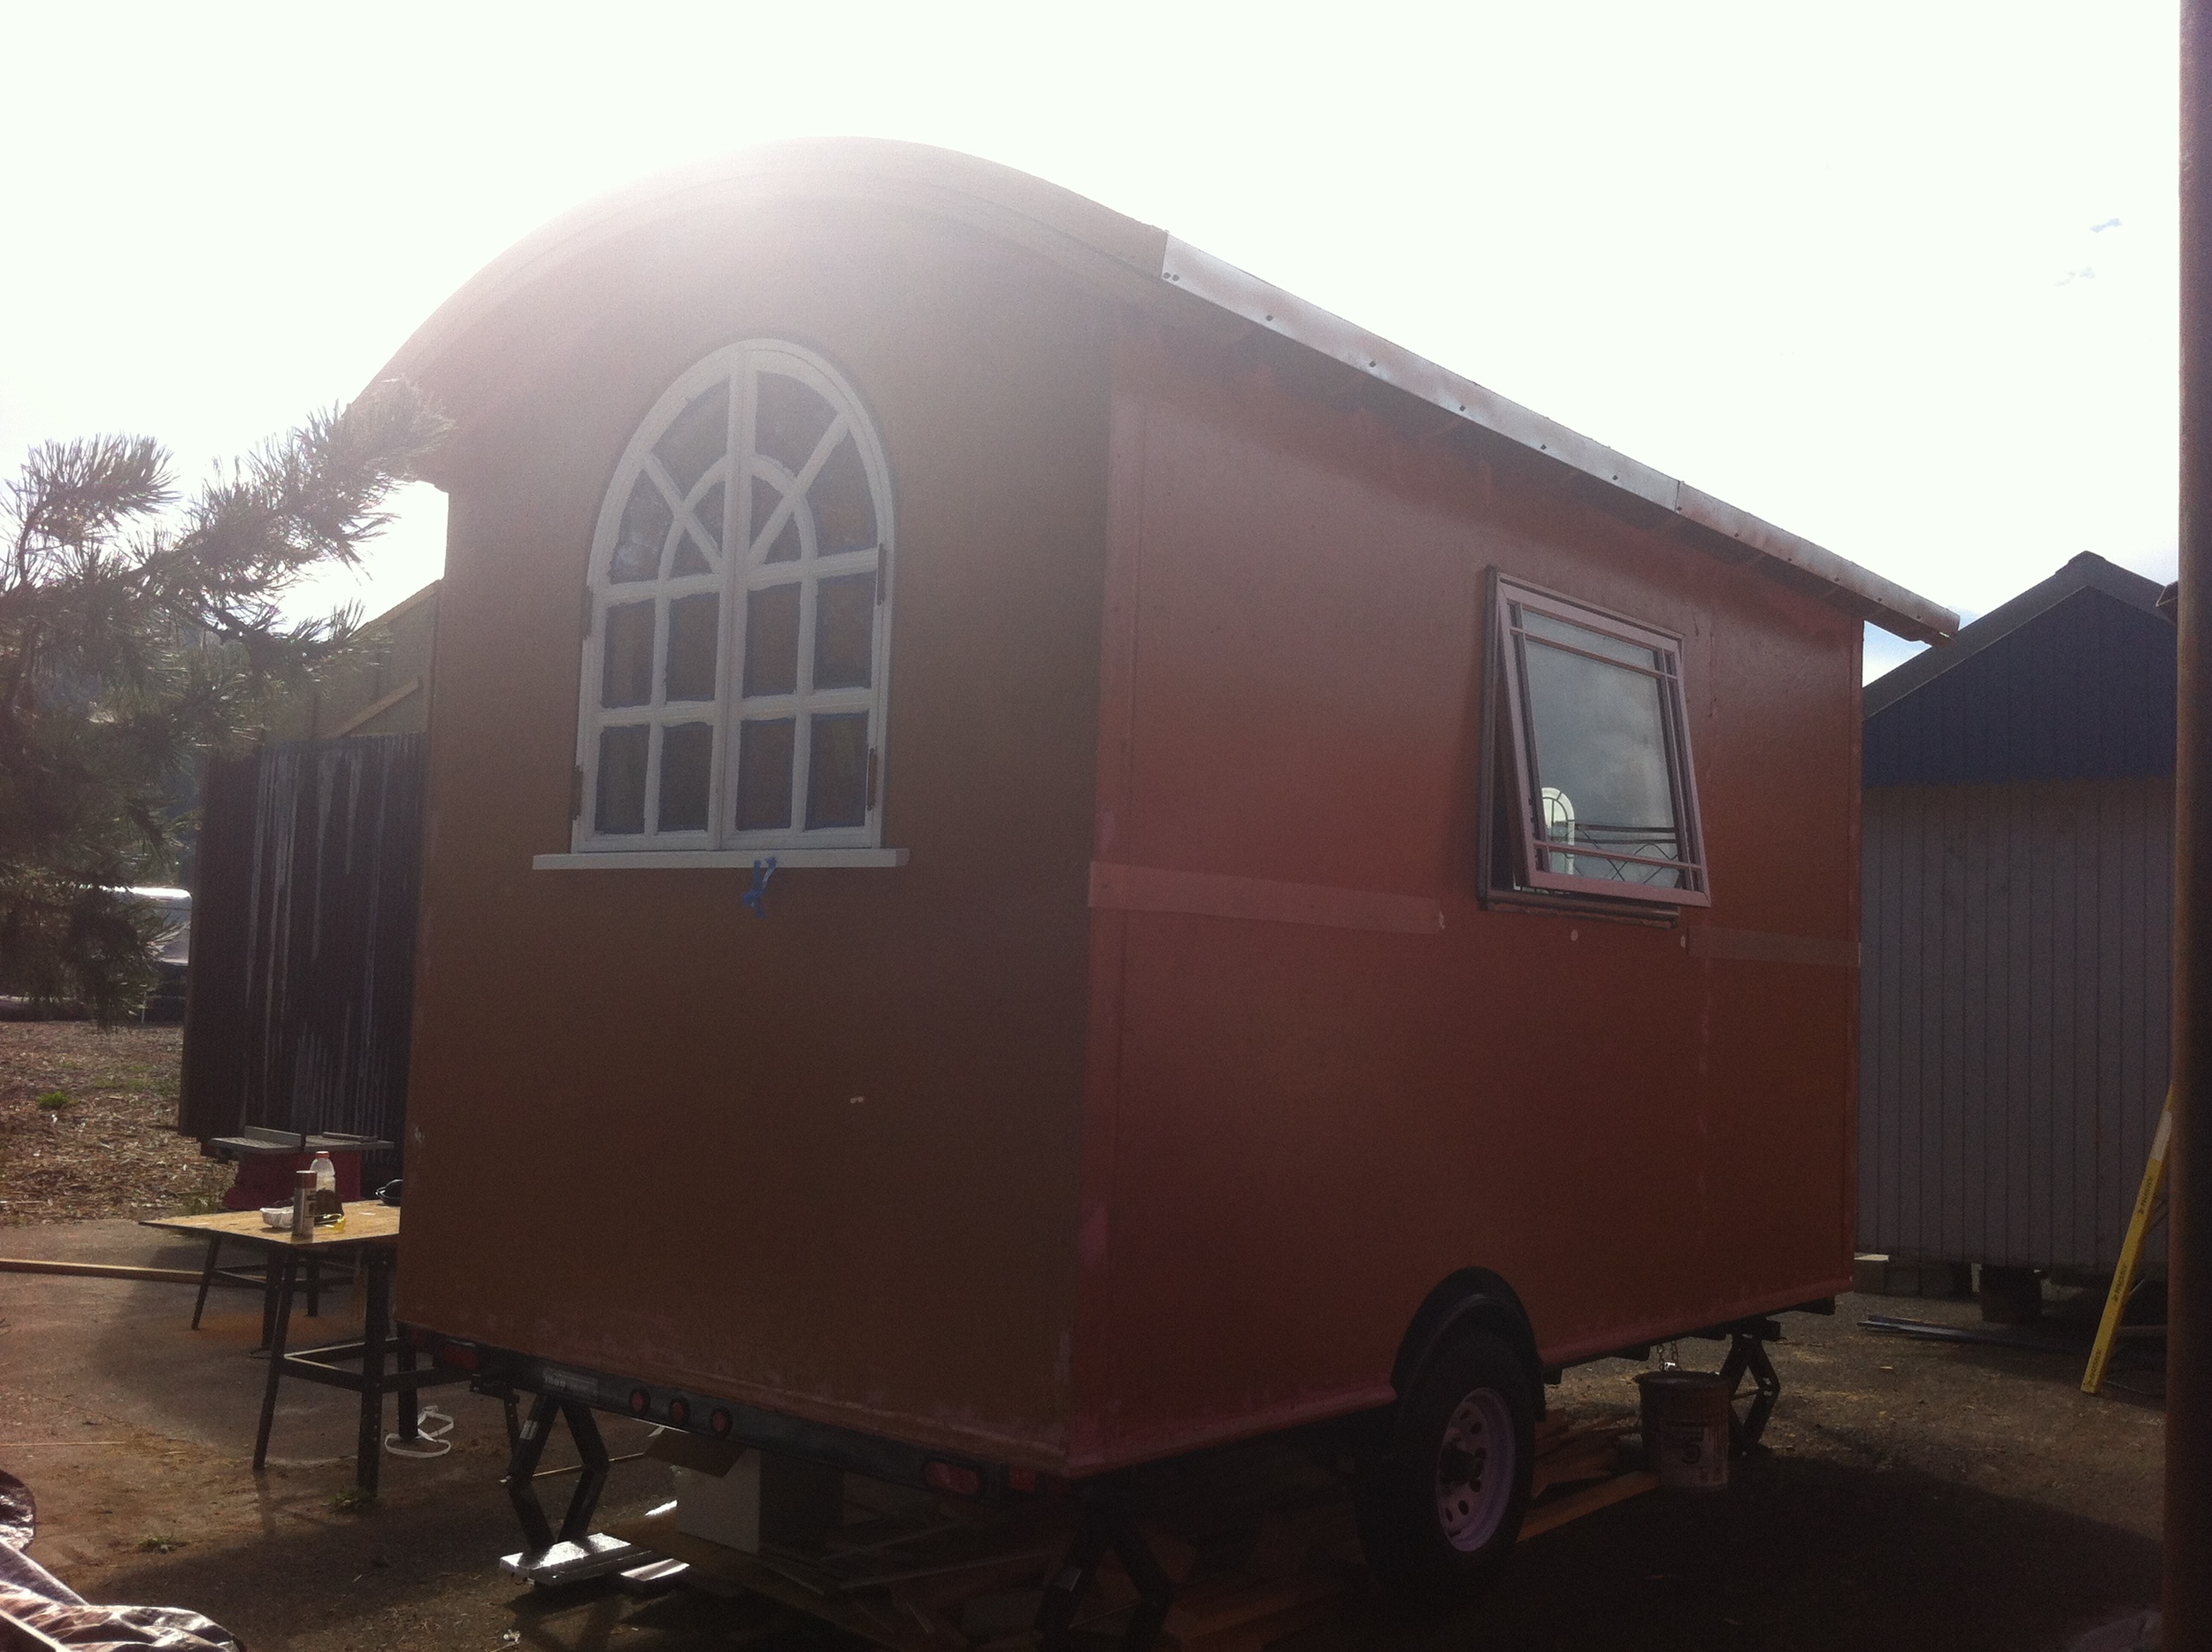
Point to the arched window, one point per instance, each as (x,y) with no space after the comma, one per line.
(734,670)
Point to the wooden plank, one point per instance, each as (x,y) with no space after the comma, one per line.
(1212,1606)
(102,1271)
(880,1623)
(1589,1458)
(1553,1516)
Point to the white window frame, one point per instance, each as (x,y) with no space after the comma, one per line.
(740,576)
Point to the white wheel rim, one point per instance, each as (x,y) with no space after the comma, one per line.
(1475,1469)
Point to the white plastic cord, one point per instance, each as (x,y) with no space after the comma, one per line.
(431,1441)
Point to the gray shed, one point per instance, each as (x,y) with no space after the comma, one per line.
(2016,928)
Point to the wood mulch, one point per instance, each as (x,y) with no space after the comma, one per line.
(111,1149)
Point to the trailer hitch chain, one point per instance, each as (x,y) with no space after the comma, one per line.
(1106,1525)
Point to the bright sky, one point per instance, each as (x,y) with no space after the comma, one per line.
(1897,277)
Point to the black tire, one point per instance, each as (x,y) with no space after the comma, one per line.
(1432,1540)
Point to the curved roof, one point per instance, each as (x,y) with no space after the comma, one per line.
(1136,261)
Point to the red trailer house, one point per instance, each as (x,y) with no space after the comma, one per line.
(1041,856)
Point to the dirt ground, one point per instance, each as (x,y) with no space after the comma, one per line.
(87,1126)
(1918,1495)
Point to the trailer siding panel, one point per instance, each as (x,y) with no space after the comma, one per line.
(822,1159)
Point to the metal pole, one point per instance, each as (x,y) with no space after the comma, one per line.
(2188,1548)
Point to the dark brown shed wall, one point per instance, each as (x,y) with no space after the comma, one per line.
(825,1160)
(2019,1003)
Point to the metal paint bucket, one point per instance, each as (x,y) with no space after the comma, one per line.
(1686,1417)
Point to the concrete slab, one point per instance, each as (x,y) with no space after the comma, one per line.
(126,1350)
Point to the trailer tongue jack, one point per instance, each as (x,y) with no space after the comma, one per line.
(1106,1525)
(576,1553)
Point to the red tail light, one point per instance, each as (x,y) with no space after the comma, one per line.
(640,1402)
(952,1477)
(679,1412)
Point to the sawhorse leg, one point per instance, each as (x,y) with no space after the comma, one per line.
(375,1335)
(284,1271)
(207,1278)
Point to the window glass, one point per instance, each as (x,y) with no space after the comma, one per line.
(844,631)
(791,419)
(733,682)
(837,771)
(1601,764)
(1538,624)
(844,513)
(697,439)
(771,641)
(694,627)
(763,775)
(646,519)
(628,677)
(686,766)
(621,801)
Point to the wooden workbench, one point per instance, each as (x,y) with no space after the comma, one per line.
(371,1237)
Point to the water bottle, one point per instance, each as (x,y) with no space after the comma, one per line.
(330,1209)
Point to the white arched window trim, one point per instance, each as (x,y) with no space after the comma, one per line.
(730,529)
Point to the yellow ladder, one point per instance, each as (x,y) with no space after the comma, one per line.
(2131,1252)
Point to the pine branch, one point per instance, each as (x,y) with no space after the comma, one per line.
(130,651)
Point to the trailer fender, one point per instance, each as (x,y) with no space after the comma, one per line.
(1469,1298)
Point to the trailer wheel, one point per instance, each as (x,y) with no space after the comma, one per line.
(1440,1503)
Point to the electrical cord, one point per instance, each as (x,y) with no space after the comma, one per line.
(431,1441)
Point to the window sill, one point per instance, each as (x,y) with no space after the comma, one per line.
(731,859)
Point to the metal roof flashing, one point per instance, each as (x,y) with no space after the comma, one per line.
(1130,257)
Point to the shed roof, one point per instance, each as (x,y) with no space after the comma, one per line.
(1134,260)
(2074,679)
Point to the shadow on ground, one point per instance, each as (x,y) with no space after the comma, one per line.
(1802,1554)
(1799,1554)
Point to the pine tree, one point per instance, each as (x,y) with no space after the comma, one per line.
(136,641)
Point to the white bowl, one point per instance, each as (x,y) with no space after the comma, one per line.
(277,1215)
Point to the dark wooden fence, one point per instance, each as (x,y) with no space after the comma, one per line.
(303,896)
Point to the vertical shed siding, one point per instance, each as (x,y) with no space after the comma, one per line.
(299,1012)
(2014,1016)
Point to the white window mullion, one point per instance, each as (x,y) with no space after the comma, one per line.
(736,561)
(813,390)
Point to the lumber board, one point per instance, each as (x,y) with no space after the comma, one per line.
(1213,1607)
(878,1622)
(102,1271)
(1554,1515)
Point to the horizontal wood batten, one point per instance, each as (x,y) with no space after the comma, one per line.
(1215,895)
(1754,946)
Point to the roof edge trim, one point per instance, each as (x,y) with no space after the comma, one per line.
(1890,606)
(2084,572)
